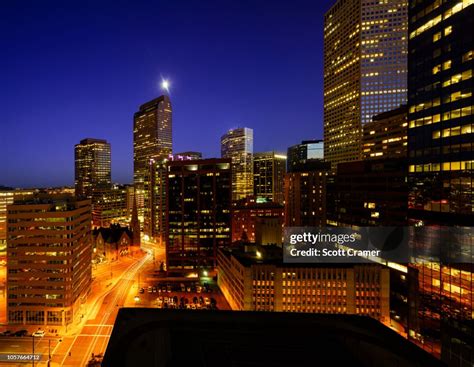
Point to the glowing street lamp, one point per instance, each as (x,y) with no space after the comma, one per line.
(137,299)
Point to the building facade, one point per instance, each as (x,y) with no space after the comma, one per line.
(154,211)
(256,279)
(305,196)
(199,198)
(365,66)
(269,170)
(49,256)
(368,193)
(187,156)
(237,144)
(7,197)
(110,206)
(256,220)
(92,167)
(386,135)
(305,154)
(152,140)
(440,178)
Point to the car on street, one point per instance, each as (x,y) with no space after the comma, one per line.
(38,333)
(21,333)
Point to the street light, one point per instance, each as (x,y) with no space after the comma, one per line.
(137,299)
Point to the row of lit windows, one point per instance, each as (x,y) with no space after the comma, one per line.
(453,131)
(445,166)
(450,115)
(434,21)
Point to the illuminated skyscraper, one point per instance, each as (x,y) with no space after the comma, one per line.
(92,167)
(269,170)
(237,144)
(154,209)
(152,135)
(441,171)
(365,65)
(152,139)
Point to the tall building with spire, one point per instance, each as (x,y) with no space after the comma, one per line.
(365,66)
(237,144)
(152,142)
(92,167)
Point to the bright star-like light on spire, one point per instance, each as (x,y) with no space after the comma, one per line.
(165,85)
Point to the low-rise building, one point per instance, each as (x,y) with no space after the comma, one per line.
(254,278)
(49,254)
(257,220)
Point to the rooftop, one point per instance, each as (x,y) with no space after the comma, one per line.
(160,337)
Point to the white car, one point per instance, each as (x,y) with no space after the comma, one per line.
(38,334)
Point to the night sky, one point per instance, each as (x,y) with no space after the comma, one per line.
(76,69)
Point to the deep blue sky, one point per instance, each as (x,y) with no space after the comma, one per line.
(76,69)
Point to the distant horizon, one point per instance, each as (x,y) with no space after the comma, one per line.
(85,72)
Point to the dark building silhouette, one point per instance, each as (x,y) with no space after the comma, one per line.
(368,193)
(308,154)
(151,337)
(199,213)
(440,178)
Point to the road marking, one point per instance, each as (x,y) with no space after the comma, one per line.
(106,325)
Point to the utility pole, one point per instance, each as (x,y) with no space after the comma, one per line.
(49,352)
(33,356)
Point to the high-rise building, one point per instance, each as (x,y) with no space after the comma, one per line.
(49,253)
(154,208)
(305,195)
(269,170)
(152,139)
(309,152)
(440,178)
(256,279)
(92,167)
(365,57)
(198,212)
(237,144)
(386,135)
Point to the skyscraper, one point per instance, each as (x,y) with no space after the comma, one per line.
(237,144)
(154,208)
(441,176)
(49,252)
(92,167)
(269,170)
(305,154)
(152,139)
(365,57)
(198,212)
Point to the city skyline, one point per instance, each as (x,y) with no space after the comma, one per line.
(243,81)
